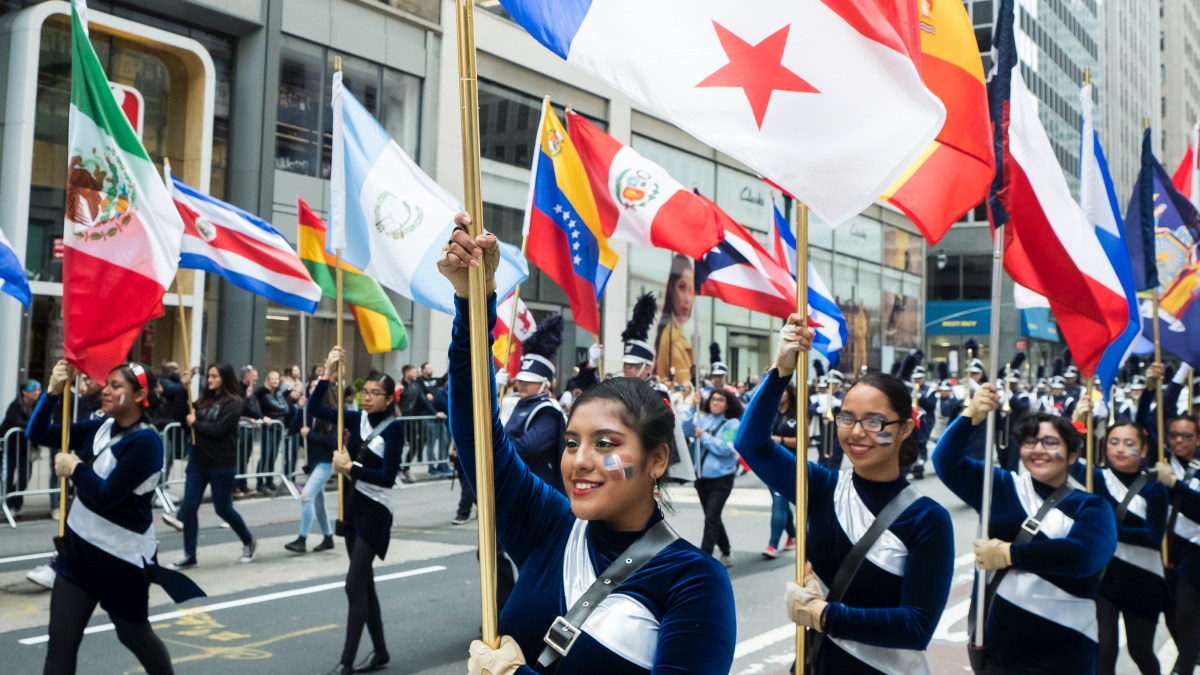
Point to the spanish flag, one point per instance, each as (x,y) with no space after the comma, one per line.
(955,172)
(380,326)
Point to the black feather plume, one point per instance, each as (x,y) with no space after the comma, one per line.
(548,337)
(896,369)
(906,369)
(1169,373)
(644,311)
(918,358)
(819,368)
(1018,361)
(943,370)
(1059,368)
(1067,360)
(972,347)
(714,352)
(1041,372)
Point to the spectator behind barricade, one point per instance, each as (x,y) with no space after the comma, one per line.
(292,379)
(350,397)
(319,439)
(16,454)
(412,404)
(437,433)
(315,373)
(274,407)
(252,413)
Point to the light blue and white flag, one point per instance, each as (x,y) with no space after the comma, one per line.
(831,331)
(391,219)
(1099,204)
(12,273)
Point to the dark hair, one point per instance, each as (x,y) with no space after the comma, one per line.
(789,394)
(130,377)
(733,404)
(385,381)
(1181,418)
(642,409)
(1138,429)
(899,396)
(1029,426)
(230,386)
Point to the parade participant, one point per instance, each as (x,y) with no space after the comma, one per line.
(213,462)
(674,346)
(108,555)
(913,375)
(1178,475)
(716,463)
(824,408)
(1058,403)
(371,461)
(718,371)
(881,618)
(946,409)
(1071,384)
(1133,586)
(1041,616)
(1172,396)
(321,442)
(537,423)
(783,432)
(638,359)
(1127,406)
(674,613)
(975,376)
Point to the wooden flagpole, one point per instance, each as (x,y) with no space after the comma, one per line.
(512,321)
(801,420)
(338,399)
(183,326)
(64,448)
(468,92)
(1090,447)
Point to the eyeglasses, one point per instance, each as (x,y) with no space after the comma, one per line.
(1127,442)
(872,425)
(373,392)
(1181,435)
(1048,442)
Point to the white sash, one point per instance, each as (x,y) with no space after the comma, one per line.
(1186,527)
(376,446)
(127,545)
(1118,490)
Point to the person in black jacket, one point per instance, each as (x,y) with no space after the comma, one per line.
(274,408)
(17,453)
(214,462)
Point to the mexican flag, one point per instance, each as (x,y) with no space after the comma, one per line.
(122,232)
(376,316)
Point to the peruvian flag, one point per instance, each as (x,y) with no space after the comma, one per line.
(1187,178)
(122,232)
(741,272)
(1050,246)
(522,328)
(638,201)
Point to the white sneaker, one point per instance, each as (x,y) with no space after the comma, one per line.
(173,522)
(727,560)
(42,575)
(248,551)
(54,514)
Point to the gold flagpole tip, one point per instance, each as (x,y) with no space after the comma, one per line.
(337,64)
(1145,122)
(1087,75)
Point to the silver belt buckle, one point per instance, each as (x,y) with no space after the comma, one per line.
(561,636)
(1032,525)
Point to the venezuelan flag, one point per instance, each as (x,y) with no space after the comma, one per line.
(955,172)
(376,316)
(566,240)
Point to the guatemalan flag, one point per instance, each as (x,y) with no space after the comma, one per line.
(824,315)
(741,272)
(12,273)
(823,97)
(1099,203)
(1050,247)
(241,248)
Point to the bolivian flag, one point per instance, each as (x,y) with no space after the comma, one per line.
(381,328)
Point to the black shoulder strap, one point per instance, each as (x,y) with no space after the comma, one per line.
(1134,489)
(858,554)
(562,633)
(379,429)
(1177,501)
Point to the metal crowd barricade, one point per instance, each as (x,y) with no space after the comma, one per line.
(17,464)
(268,439)
(175,448)
(426,442)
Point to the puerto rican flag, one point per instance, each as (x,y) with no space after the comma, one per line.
(740,271)
(242,249)
(1050,246)
(824,316)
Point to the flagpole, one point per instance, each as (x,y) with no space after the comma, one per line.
(339,397)
(468,93)
(1090,448)
(801,419)
(187,352)
(64,448)
(303,377)
(989,459)
(512,321)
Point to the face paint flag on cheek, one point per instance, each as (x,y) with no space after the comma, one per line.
(619,466)
(884,438)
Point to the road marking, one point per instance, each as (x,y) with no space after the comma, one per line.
(246,601)
(31,556)
(246,652)
(764,640)
(950,616)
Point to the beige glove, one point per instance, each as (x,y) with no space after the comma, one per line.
(794,339)
(461,253)
(984,401)
(336,355)
(806,604)
(992,554)
(1154,375)
(65,463)
(1166,475)
(487,661)
(59,377)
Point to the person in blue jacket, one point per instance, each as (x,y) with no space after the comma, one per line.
(714,428)
(371,460)
(887,616)
(1178,474)
(1042,618)
(318,437)
(674,614)
(1133,586)
(108,554)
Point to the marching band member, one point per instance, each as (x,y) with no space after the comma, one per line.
(884,618)
(108,555)
(537,422)
(823,409)
(672,614)
(371,462)
(1127,405)
(1042,615)
(1133,585)
(1058,403)
(1178,475)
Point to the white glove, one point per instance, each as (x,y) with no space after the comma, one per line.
(789,350)
(487,661)
(59,377)
(502,377)
(594,354)
(1181,375)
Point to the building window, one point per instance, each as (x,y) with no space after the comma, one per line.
(508,122)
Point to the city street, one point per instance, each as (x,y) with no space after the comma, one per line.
(285,613)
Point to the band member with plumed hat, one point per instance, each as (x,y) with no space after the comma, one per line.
(537,423)
(638,358)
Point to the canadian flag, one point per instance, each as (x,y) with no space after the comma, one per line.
(638,200)
(522,328)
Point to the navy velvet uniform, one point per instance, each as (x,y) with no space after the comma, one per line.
(889,613)
(1134,579)
(1185,537)
(109,548)
(369,513)
(674,615)
(1043,618)
(536,428)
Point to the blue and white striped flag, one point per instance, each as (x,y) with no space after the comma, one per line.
(12,273)
(822,310)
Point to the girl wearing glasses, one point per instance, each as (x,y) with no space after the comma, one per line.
(1042,618)
(1133,583)
(887,615)
(1178,475)
(371,459)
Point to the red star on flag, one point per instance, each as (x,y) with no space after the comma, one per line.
(757,69)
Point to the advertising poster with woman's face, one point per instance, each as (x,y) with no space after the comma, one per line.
(673,345)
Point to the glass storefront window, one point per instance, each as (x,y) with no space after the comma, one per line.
(747,198)
(692,171)
(902,250)
(508,122)
(362,79)
(298,112)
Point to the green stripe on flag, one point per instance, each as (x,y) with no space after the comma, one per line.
(91,95)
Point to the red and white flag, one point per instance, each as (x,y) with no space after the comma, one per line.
(1187,178)
(503,333)
(638,201)
(741,272)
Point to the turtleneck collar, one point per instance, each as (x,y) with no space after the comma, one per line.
(608,543)
(375,418)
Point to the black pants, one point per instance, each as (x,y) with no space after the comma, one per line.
(245,447)
(1139,634)
(713,494)
(466,496)
(272,438)
(362,600)
(1183,621)
(70,609)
